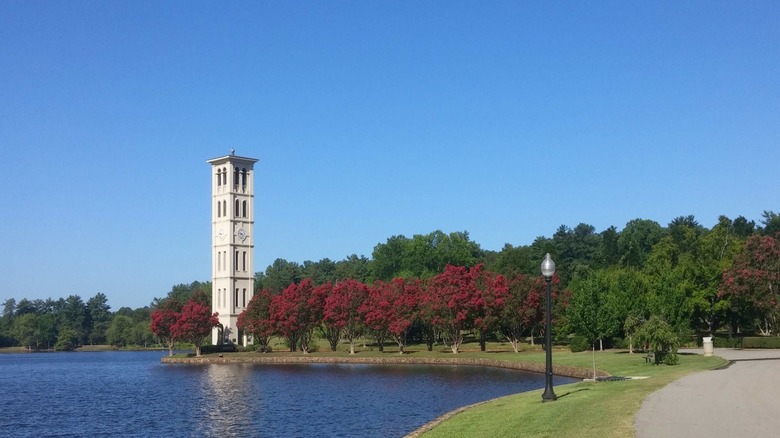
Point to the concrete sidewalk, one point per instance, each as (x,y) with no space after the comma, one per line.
(741,400)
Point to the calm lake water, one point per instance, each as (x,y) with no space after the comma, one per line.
(133,394)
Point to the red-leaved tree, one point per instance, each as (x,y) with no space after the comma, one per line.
(490,293)
(522,310)
(392,307)
(752,284)
(450,295)
(194,323)
(342,309)
(256,319)
(296,312)
(163,319)
(330,330)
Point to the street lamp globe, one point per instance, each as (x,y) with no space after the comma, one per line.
(548,266)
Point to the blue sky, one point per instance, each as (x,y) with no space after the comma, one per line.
(370,119)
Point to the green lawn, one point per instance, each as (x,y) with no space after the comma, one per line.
(584,409)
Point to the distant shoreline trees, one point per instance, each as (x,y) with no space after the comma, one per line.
(698,280)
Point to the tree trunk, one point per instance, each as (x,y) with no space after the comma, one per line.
(601,345)
(482,340)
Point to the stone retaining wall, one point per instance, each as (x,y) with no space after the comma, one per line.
(227,358)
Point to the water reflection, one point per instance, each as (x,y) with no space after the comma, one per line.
(226,393)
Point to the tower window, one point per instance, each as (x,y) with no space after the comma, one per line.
(243,261)
(243,301)
(237,213)
(235,265)
(235,298)
(219,209)
(243,177)
(224,176)
(235,177)
(243,209)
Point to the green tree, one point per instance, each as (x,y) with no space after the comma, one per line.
(67,340)
(74,315)
(7,322)
(424,255)
(387,258)
(24,330)
(100,316)
(142,334)
(577,250)
(636,241)
(714,254)
(120,332)
(320,272)
(608,252)
(281,274)
(589,312)
(512,261)
(770,222)
(354,267)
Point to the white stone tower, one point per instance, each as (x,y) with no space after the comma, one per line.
(232,242)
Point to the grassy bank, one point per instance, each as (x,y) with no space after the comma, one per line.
(585,409)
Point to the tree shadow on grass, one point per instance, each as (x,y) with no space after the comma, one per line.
(572,392)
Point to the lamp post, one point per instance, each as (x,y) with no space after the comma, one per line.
(548,270)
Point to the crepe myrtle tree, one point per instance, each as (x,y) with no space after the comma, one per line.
(450,295)
(256,319)
(342,309)
(194,323)
(296,312)
(752,284)
(163,319)
(331,331)
(392,307)
(522,309)
(490,294)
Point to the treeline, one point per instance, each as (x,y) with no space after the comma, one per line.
(698,280)
(67,323)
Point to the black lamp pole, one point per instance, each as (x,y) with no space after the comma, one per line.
(548,270)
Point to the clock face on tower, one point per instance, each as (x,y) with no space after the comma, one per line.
(221,235)
(241,234)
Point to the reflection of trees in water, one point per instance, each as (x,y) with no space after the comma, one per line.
(224,402)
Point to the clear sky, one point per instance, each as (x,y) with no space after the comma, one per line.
(370,119)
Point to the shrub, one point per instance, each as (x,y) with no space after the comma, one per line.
(659,338)
(579,343)
(761,342)
(670,358)
(210,349)
(726,342)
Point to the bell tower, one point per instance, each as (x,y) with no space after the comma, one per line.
(232,243)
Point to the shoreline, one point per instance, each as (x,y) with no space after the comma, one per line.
(260,358)
(561,370)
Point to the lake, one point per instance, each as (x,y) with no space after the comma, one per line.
(133,394)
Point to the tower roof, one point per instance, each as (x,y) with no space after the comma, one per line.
(232,158)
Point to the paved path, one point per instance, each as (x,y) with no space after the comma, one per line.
(741,400)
